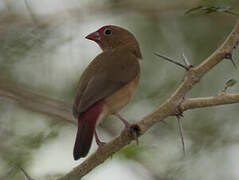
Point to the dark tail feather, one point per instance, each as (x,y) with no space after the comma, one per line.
(86,128)
(83,141)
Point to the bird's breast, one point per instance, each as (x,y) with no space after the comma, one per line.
(120,98)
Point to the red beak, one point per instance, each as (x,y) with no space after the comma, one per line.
(95,36)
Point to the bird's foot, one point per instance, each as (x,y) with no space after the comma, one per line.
(132,128)
(135,132)
(98,141)
(126,123)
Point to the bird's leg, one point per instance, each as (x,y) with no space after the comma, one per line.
(98,141)
(134,129)
(126,123)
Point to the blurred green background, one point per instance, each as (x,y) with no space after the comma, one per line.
(43,49)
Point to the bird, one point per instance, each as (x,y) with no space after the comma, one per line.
(106,85)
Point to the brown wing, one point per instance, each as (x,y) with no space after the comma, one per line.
(106,74)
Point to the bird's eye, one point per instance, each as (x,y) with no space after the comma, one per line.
(107,32)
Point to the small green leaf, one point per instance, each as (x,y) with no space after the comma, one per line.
(231,82)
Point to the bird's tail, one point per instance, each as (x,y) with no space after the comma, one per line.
(86,128)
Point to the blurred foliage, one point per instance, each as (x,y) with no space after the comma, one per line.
(20,155)
(18,39)
(48,56)
(131,152)
(211,9)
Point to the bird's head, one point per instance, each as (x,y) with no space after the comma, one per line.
(110,37)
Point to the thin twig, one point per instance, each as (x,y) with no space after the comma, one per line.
(172,61)
(25,173)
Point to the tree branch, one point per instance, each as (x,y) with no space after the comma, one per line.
(169,108)
(221,99)
(36,102)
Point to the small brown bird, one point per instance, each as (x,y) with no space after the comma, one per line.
(107,84)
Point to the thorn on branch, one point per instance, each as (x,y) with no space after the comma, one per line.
(229,56)
(180,128)
(185,59)
(135,132)
(179,115)
(173,61)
